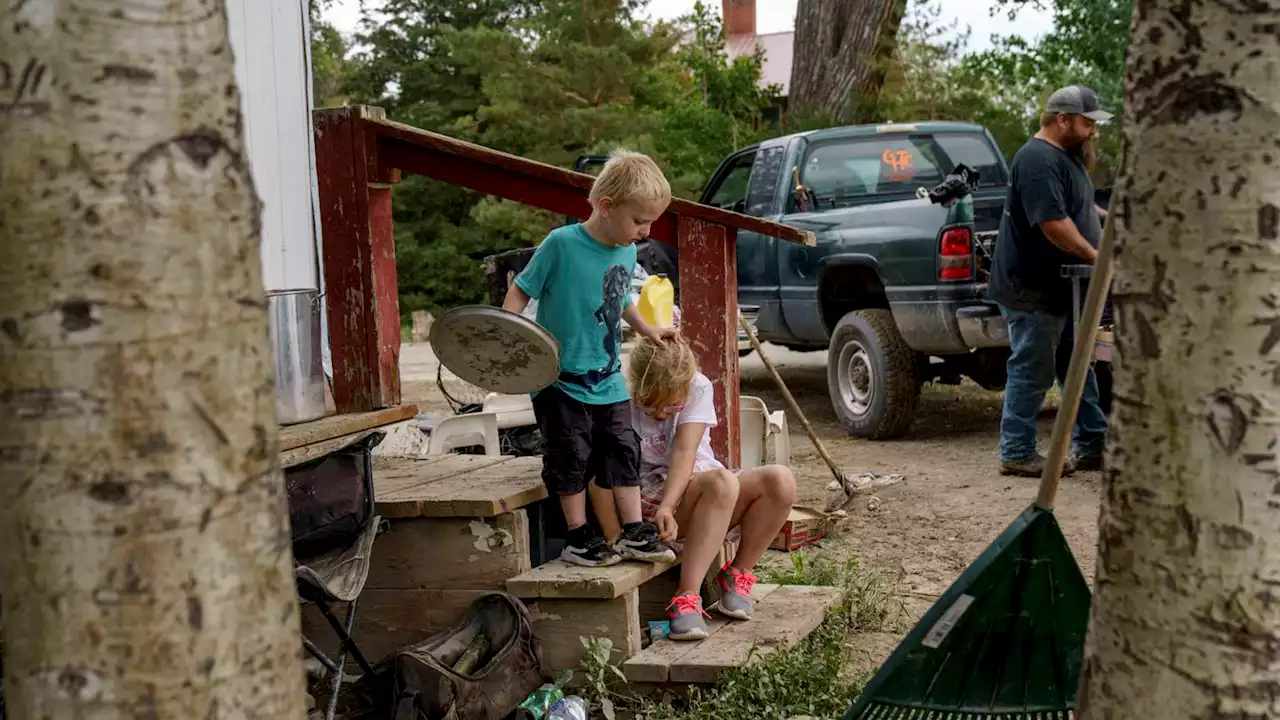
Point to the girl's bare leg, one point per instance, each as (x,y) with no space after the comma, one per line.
(765,498)
(703,517)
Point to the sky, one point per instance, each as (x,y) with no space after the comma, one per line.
(779,16)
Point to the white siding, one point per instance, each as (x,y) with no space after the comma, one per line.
(269,40)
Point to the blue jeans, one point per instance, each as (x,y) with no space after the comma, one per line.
(1033,340)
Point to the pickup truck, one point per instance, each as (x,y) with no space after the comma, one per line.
(895,289)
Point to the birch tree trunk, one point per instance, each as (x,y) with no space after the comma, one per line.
(1186,613)
(841,51)
(144,544)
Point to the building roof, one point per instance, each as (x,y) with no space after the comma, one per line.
(779,51)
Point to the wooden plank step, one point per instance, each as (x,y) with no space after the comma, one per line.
(653,664)
(559,579)
(782,619)
(456,485)
(327,428)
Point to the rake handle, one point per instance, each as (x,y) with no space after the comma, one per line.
(1078,370)
(795,407)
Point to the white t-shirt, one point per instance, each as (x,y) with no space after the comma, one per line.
(657,438)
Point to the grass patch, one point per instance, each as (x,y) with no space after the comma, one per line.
(813,678)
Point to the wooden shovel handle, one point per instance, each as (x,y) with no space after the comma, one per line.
(795,407)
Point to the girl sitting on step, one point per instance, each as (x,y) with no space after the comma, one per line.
(688,493)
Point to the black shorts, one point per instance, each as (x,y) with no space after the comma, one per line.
(584,442)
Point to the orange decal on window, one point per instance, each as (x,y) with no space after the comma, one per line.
(902,164)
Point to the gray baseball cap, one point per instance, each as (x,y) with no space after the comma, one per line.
(1077,100)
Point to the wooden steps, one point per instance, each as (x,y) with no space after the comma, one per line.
(559,579)
(569,602)
(783,617)
(458,528)
(473,486)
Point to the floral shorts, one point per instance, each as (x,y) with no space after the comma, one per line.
(654,486)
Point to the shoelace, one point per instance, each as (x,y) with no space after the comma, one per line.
(685,604)
(648,533)
(743,581)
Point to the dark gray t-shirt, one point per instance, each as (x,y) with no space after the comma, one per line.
(1045,184)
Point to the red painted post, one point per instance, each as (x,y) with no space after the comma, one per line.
(358,243)
(709,319)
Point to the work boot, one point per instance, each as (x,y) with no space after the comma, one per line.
(1034,467)
(1087,463)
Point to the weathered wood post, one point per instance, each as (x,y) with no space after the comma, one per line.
(709,319)
(358,241)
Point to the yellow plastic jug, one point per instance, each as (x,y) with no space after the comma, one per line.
(658,301)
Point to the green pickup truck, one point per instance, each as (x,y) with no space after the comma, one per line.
(895,289)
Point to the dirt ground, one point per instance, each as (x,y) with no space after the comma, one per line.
(926,530)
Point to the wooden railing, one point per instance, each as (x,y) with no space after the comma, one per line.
(360,155)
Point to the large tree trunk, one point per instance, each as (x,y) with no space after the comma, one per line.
(144,544)
(841,50)
(1186,616)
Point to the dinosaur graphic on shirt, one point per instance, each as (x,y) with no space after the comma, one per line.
(613,291)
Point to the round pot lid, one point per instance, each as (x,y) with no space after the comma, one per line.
(496,350)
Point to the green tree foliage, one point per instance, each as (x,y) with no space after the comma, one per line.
(929,79)
(1086,46)
(546,80)
(553,79)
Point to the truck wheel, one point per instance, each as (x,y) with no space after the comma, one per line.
(872,375)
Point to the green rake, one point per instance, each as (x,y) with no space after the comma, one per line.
(1006,640)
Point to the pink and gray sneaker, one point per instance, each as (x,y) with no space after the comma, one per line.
(688,619)
(733,593)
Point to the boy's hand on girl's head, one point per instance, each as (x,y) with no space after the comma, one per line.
(668,530)
(664,333)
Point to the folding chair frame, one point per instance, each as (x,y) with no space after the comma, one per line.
(308,592)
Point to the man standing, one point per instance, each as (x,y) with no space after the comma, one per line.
(1050,220)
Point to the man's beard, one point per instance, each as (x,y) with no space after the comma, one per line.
(1085,152)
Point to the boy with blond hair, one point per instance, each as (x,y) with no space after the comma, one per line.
(581,277)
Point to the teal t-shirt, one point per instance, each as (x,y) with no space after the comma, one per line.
(582,286)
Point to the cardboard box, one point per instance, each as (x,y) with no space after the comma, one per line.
(804,526)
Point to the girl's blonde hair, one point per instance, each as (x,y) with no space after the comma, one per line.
(630,177)
(661,370)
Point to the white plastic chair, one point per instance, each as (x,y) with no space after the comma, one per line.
(757,425)
(781,438)
(464,431)
(754,427)
(512,410)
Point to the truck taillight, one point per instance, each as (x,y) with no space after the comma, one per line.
(955,255)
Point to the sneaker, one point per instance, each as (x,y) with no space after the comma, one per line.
(641,542)
(1034,467)
(592,553)
(688,619)
(733,593)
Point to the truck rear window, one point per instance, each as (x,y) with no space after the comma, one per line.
(854,170)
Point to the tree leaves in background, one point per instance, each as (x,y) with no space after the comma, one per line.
(553,79)
(1086,46)
(550,81)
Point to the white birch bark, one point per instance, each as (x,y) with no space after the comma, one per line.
(1186,613)
(144,544)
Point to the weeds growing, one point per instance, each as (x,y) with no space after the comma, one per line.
(811,679)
